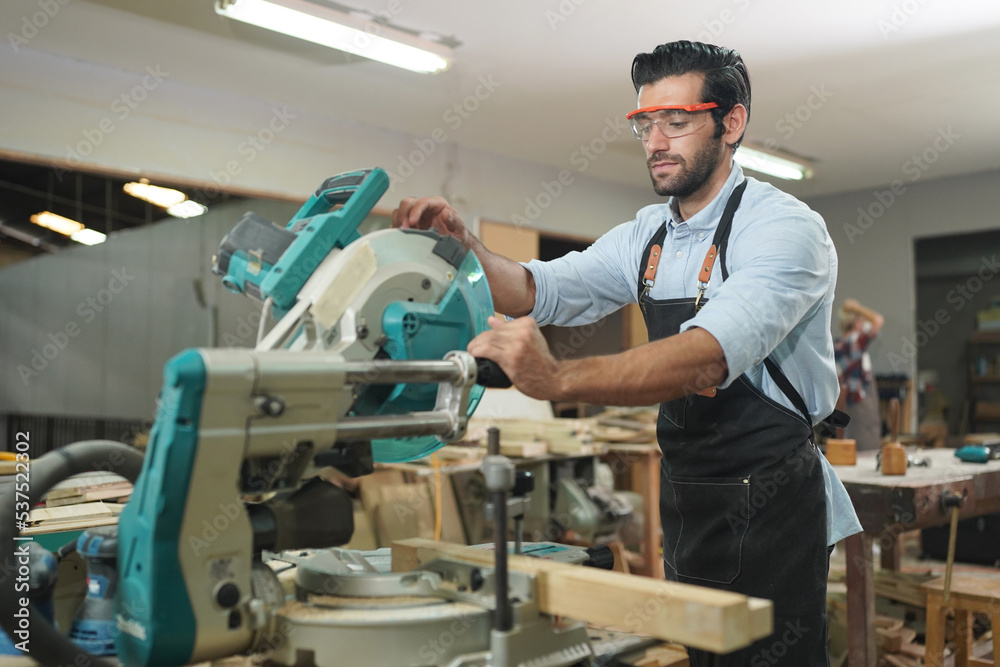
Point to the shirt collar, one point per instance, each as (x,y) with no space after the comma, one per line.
(708,217)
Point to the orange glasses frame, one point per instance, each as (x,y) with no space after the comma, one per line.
(688,107)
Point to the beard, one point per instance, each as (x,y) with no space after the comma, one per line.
(689,177)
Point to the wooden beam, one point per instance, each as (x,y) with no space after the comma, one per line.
(860,601)
(703,618)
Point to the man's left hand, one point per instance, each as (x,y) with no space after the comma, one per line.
(522,352)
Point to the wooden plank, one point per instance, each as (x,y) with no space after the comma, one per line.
(67,491)
(703,618)
(46,527)
(363,538)
(91,496)
(635,332)
(369,486)
(517,243)
(761,617)
(860,601)
(73,512)
(404,511)
(452,530)
(892,552)
(620,555)
(662,656)
(524,449)
(890,641)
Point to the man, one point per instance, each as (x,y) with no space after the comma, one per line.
(859,326)
(735,279)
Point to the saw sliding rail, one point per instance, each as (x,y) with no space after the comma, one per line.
(455,375)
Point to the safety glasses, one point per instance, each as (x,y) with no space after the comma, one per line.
(673,121)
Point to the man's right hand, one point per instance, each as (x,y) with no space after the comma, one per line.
(512,285)
(431,213)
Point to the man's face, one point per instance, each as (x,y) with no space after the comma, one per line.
(679,166)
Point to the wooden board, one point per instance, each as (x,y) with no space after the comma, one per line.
(74,512)
(72,517)
(524,449)
(841,452)
(363,538)
(452,530)
(517,243)
(703,618)
(404,511)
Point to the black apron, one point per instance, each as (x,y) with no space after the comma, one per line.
(742,493)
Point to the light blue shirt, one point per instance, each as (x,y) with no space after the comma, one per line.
(776,301)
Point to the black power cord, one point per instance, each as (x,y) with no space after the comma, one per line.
(48,645)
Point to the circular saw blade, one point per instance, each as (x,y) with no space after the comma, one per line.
(473,292)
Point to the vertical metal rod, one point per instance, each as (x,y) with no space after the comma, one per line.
(518,534)
(503,620)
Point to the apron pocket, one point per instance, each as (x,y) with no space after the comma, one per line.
(674,411)
(704,523)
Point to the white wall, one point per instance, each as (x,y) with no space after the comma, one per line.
(877,257)
(86,332)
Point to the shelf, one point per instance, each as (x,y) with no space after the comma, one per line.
(985,338)
(986,379)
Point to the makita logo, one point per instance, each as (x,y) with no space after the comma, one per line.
(133,628)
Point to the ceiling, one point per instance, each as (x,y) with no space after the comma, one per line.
(96,200)
(861,87)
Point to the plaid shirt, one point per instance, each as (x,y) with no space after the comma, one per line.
(849,352)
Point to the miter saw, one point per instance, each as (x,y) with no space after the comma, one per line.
(365,364)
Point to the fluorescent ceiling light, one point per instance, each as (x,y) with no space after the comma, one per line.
(186,209)
(154,194)
(344,32)
(71,228)
(773,165)
(57,223)
(88,237)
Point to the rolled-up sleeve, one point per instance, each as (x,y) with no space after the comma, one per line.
(780,273)
(582,287)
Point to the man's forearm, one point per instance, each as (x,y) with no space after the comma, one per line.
(512,285)
(659,371)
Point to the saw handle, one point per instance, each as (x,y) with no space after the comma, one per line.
(489,374)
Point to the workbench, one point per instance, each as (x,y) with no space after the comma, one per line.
(889,506)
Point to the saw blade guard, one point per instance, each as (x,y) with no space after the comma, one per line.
(429,331)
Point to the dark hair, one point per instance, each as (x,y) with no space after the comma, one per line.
(726,80)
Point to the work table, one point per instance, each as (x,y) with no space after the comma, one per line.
(890,505)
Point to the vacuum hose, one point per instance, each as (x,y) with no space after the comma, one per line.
(48,646)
